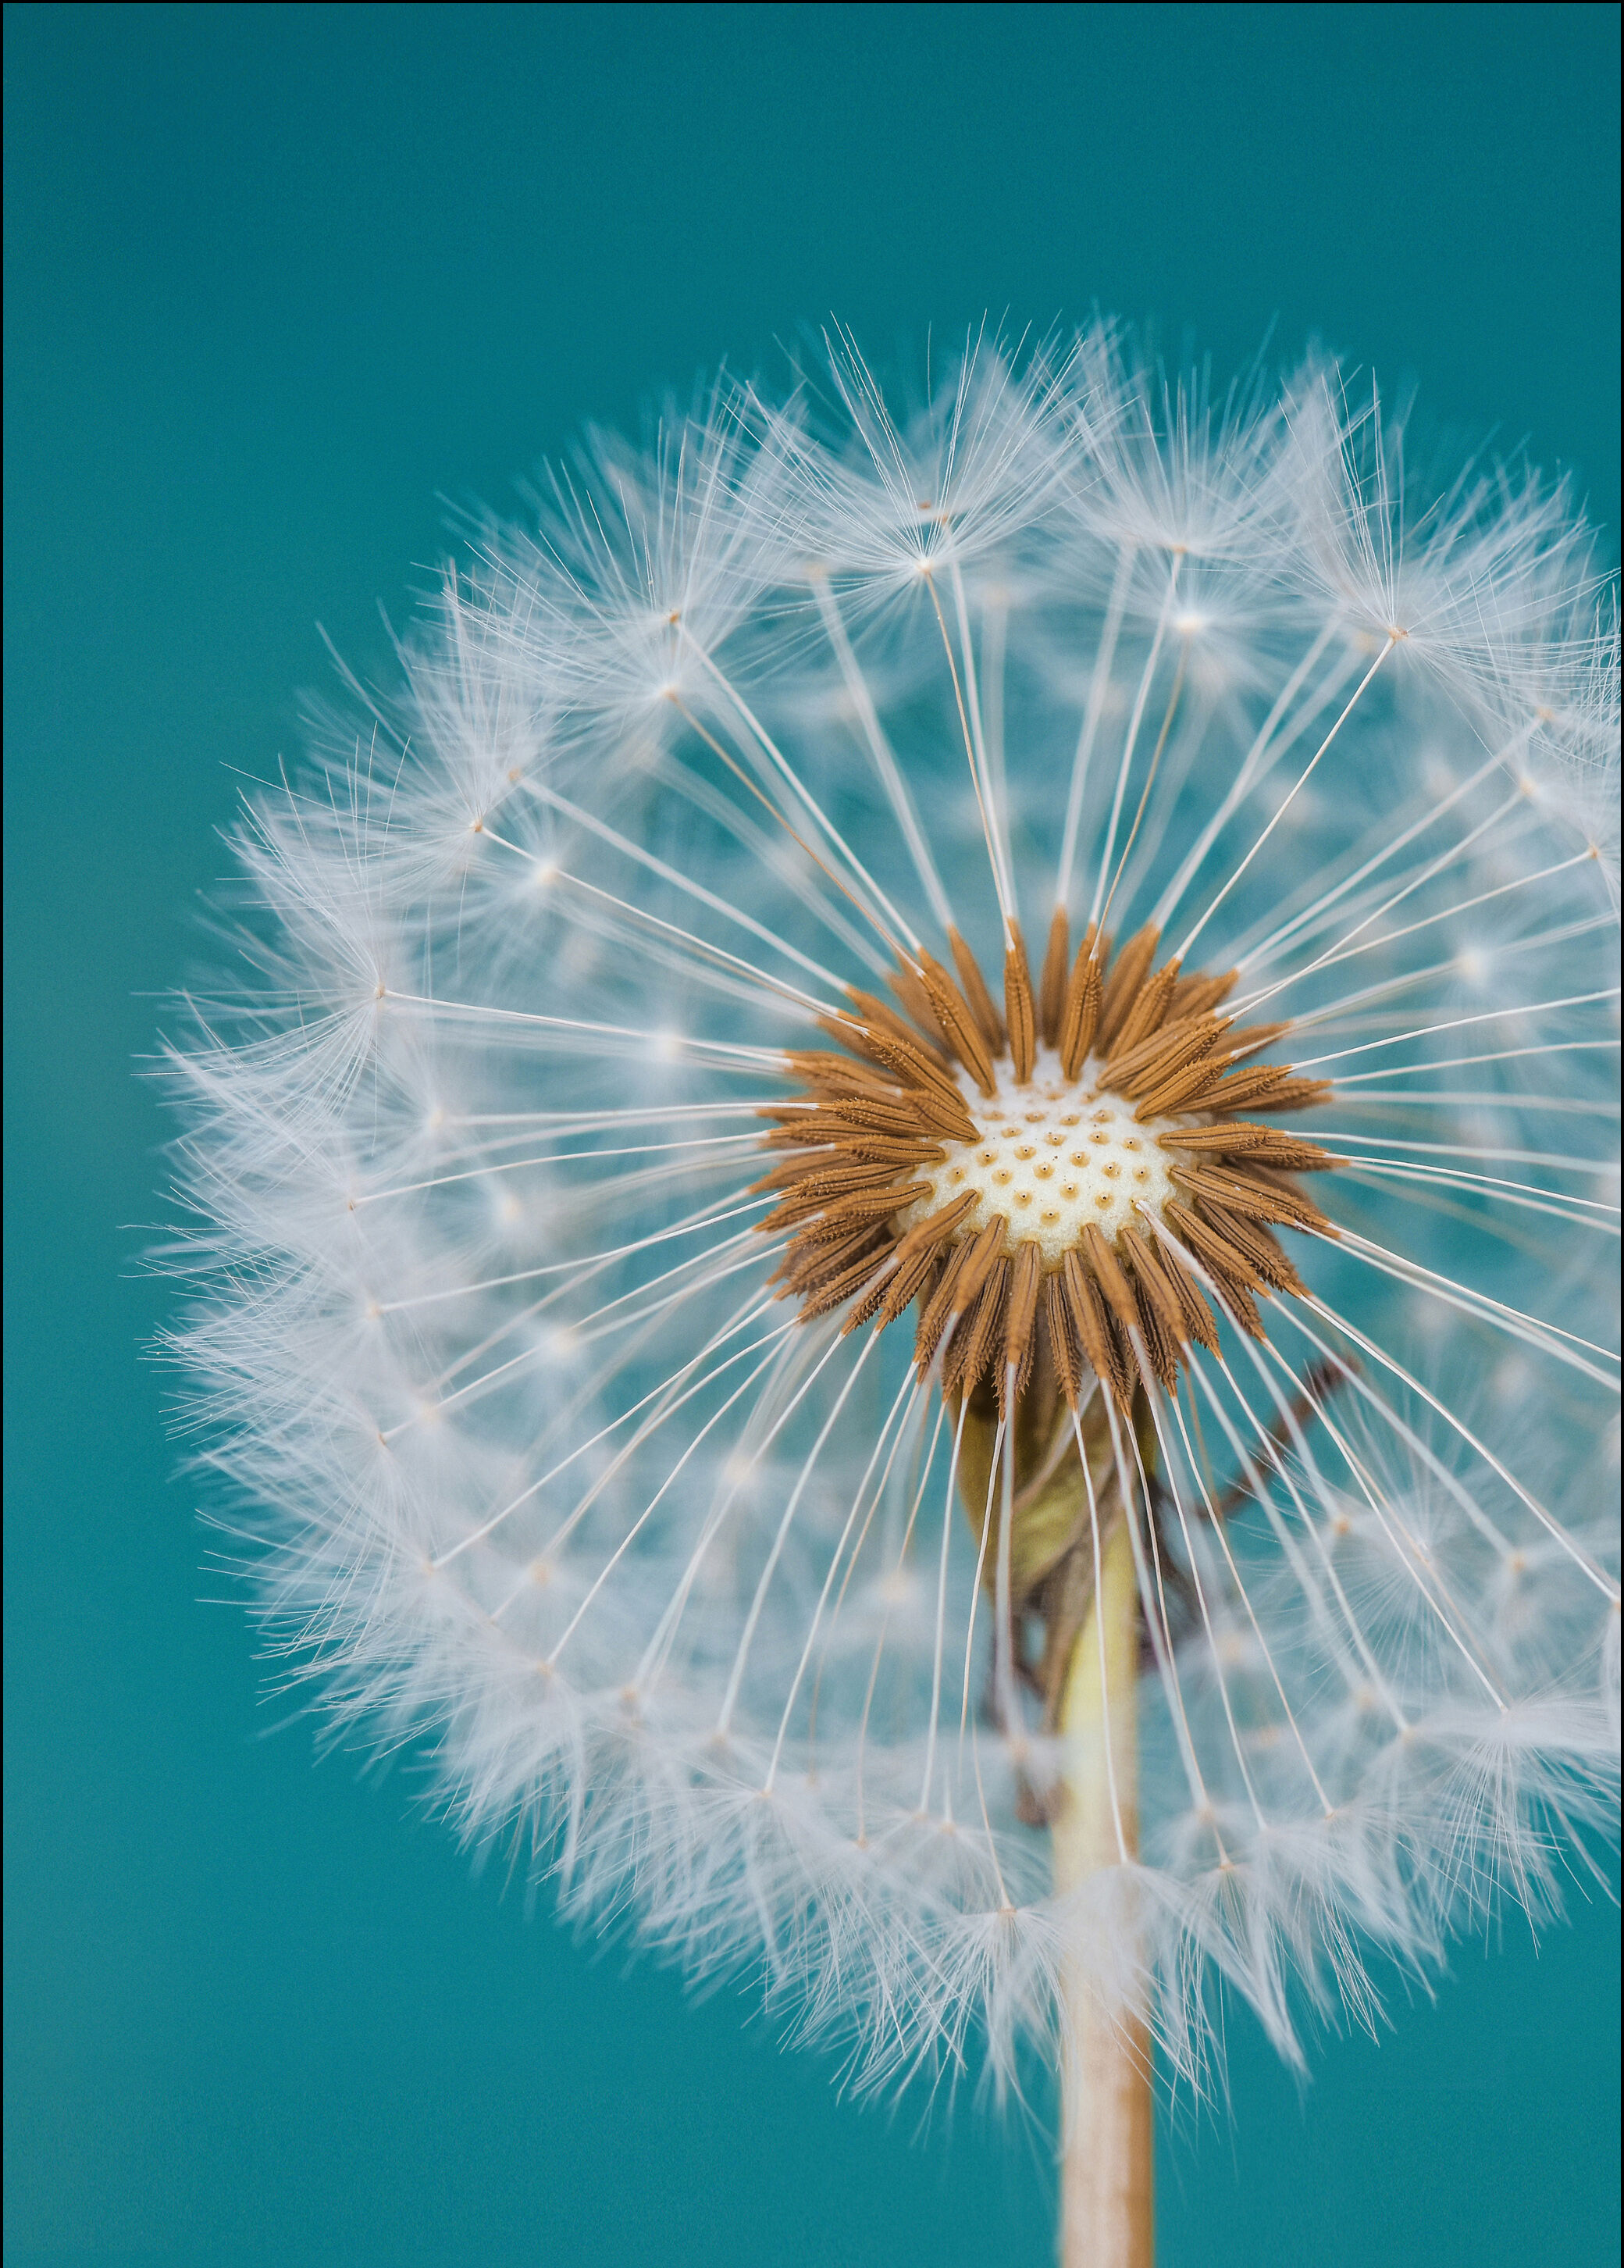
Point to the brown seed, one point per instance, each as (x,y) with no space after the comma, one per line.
(1112,1278)
(1061,1339)
(975,991)
(1018,1009)
(1129,972)
(957,1021)
(1051,984)
(1092,1320)
(1080,1019)
(1149,1012)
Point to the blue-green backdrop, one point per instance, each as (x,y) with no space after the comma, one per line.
(279,280)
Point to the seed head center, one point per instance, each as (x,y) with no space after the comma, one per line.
(1051,1158)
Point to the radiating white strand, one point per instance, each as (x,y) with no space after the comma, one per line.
(906,1392)
(1389,847)
(701,949)
(1344,950)
(667,1408)
(1003,1616)
(1099,680)
(1456,853)
(1310,1526)
(1006,905)
(1532,1331)
(1527,1196)
(679,880)
(1458,1062)
(734,1058)
(941,1617)
(1252,769)
(593,1265)
(1169,1468)
(978,734)
(1552,1527)
(926,1469)
(793,780)
(1402,1540)
(1153,1599)
(637,1526)
(737,767)
(1460,1023)
(1219,1529)
(801,885)
(1554,1160)
(1136,719)
(724,1716)
(685,1371)
(1326,1623)
(1183,952)
(489,1169)
(885,761)
(522,1317)
(1570,1106)
(666,1629)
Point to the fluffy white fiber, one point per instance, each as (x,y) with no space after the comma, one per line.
(530,1468)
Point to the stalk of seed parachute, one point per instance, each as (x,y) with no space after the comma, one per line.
(1211,1583)
(1107,2188)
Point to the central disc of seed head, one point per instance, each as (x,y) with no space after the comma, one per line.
(1051,1159)
(1063,1191)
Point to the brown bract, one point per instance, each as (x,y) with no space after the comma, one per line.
(860,1192)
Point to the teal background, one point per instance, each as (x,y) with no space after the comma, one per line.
(278,281)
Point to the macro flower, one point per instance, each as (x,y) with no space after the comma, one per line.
(904,1229)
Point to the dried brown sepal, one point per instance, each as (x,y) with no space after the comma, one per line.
(822,1172)
(917,1255)
(1242,1307)
(1209,1083)
(835,1289)
(1161,1346)
(829,1211)
(808,1259)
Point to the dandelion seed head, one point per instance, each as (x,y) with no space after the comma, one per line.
(905,1021)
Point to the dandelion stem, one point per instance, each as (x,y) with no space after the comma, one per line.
(1106,2185)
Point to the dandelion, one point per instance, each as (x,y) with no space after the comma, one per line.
(905,1229)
